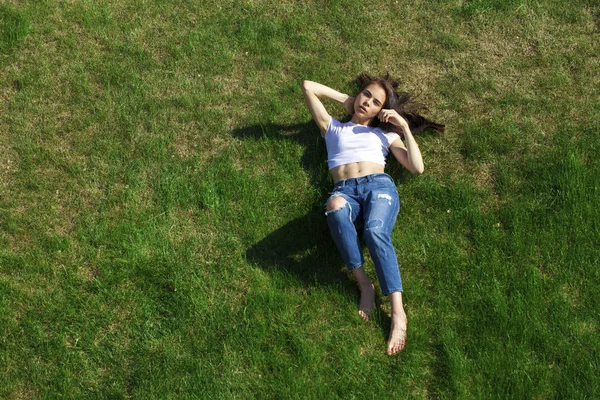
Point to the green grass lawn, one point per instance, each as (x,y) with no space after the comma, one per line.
(162,186)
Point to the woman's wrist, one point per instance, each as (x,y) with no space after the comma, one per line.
(409,139)
(405,129)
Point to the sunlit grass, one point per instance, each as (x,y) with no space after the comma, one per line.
(161,191)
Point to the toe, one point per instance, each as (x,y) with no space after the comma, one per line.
(397,343)
(364,314)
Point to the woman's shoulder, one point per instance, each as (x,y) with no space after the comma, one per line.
(335,124)
(335,121)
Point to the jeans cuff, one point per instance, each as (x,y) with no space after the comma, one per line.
(391,291)
(352,268)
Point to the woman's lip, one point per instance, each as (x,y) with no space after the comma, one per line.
(363,109)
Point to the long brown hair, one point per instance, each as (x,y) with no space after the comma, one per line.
(402,102)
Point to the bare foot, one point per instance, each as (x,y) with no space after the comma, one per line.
(367,301)
(397,338)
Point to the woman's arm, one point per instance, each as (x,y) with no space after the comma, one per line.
(408,155)
(314,91)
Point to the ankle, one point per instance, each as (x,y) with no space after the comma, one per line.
(398,313)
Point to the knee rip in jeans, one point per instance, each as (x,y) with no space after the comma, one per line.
(336,203)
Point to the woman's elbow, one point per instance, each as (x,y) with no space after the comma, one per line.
(305,85)
(418,170)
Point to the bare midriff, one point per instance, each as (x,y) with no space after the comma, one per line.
(355,170)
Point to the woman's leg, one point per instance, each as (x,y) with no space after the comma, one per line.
(397,338)
(341,212)
(381,207)
(340,218)
(367,293)
(383,254)
(380,210)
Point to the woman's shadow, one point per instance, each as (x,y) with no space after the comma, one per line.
(303,247)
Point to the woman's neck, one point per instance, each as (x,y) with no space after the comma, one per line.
(359,121)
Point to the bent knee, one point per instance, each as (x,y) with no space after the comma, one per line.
(336,203)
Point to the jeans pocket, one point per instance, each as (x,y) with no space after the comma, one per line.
(383,178)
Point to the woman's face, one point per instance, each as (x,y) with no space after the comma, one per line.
(369,101)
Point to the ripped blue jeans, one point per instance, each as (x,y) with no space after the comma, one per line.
(372,205)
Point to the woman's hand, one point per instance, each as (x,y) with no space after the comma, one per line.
(349,105)
(392,117)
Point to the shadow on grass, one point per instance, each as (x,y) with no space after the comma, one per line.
(307,135)
(303,246)
(442,384)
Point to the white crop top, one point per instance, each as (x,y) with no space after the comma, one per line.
(348,142)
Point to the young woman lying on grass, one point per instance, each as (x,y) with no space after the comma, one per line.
(364,198)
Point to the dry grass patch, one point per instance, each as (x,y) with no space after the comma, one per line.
(7,92)
(45,287)
(88,270)
(442,156)
(118,325)
(483,178)
(587,328)
(8,165)
(188,224)
(186,143)
(24,392)
(192,140)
